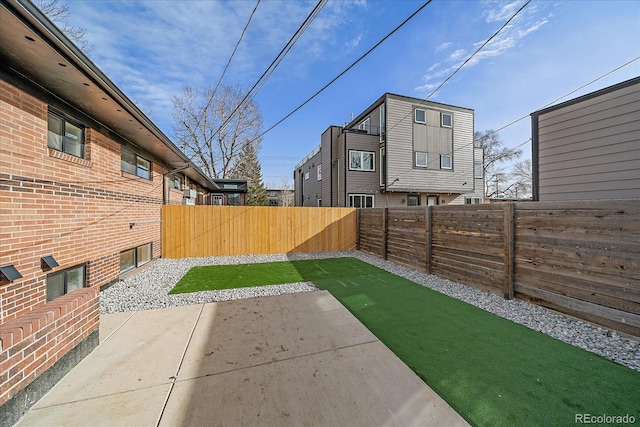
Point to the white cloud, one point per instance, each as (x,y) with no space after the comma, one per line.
(523,25)
(443,46)
(457,54)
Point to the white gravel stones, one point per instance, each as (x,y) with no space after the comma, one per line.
(148,289)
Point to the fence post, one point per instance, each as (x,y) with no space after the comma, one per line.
(429,238)
(385,216)
(509,244)
(358,229)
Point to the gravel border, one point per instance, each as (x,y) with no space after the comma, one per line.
(148,289)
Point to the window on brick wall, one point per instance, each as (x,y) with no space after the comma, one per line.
(135,257)
(134,164)
(65,281)
(175,182)
(64,135)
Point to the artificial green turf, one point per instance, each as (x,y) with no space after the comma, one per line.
(217,277)
(492,371)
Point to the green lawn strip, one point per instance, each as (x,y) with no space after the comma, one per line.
(491,370)
(217,277)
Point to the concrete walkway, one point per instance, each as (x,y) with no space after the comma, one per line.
(290,360)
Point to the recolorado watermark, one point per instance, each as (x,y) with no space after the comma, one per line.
(604,419)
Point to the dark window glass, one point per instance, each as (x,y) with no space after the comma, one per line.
(65,136)
(63,282)
(134,164)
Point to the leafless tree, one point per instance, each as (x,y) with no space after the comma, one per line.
(495,154)
(286,193)
(208,132)
(59,13)
(522,179)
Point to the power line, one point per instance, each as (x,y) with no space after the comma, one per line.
(236,47)
(274,64)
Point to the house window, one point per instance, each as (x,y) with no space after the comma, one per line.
(477,170)
(361,160)
(216,200)
(233,199)
(365,125)
(361,200)
(65,136)
(383,119)
(472,200)
(413,200)
(421,159)
(306,175)
(445,161)
(383,167)
(319,202)
(176,182)
(420,116)
(446,120)
(63,282)
(134,258)
(230,186)
(319,172)
(134,164)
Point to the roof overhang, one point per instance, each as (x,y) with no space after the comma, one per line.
(32,47)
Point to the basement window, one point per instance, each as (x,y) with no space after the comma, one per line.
(65,281)
(135,257)
(65,136)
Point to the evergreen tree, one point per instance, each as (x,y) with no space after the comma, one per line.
(248,167)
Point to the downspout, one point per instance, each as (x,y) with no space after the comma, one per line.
(535,178)
(345,170)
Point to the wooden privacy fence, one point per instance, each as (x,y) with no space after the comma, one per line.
(580,258)
(201,231)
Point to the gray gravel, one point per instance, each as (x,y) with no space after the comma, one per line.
(148,289)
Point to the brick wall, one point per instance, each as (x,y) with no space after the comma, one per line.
(31,344)
(78,210)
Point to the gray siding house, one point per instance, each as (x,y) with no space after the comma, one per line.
(400,151)
(588,148)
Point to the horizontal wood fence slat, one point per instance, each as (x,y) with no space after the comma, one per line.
(581,258)
(202,231)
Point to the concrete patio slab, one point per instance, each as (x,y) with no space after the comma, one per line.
(298,359)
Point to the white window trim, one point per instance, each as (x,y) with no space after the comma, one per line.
(474,170)
(426,159)
(365,125)
(319,173)
(442,120)
(361,169)
(306,175)
(415,117)
(442,157)
(363,196)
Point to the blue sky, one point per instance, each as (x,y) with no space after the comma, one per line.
(154,49)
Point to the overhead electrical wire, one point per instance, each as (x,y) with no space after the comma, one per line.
(236,47)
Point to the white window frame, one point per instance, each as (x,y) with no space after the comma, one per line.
(472,201)
(383,119)
(415,115)
(426,159)
(362,155)
(363,198)
(477,170)
(217,200)
(442,116)
(319,172)
(442,158)
(383,151)
(365,125)
(306,176)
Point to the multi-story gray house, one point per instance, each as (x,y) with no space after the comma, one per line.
(588,148)
(400,151)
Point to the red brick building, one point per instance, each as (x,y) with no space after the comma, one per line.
(83,176)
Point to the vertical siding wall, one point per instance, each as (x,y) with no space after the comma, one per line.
(580,258)
(591,149)
(201,231)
